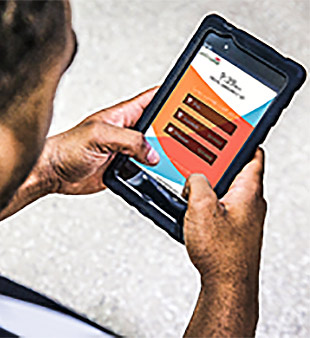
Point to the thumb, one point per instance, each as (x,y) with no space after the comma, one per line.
(202,203)
(197,188)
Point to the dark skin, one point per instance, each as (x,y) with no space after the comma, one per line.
(223,237)
(73,162)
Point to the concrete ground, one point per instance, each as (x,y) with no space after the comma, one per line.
(98,255)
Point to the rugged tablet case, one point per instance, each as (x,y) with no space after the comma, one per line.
(295,75)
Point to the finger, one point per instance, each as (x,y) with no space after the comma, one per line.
(199,193)
(136,106)
(128,142)
(249,182)
(202,204)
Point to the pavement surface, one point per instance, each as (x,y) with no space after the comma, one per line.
(100,257)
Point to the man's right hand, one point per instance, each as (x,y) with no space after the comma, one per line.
(223,239)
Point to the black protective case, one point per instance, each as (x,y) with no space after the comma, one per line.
(156,208)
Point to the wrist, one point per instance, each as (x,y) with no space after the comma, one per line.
(42,179)
(230,271)
(236,304)
(235,291)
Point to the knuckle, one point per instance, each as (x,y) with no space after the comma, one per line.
(138,140)
(257,209)
(93,128)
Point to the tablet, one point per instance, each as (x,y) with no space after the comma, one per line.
(218,103)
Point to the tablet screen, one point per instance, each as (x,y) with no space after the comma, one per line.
(216,104)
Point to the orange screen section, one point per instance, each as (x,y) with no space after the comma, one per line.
(198,131)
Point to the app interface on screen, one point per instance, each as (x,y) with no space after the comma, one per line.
(206,120)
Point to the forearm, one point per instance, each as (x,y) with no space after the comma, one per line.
(225,310)
(39,183)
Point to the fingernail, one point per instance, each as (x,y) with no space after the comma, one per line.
(203,176)
(152,156)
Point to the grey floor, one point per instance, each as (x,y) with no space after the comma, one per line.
(96,254)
